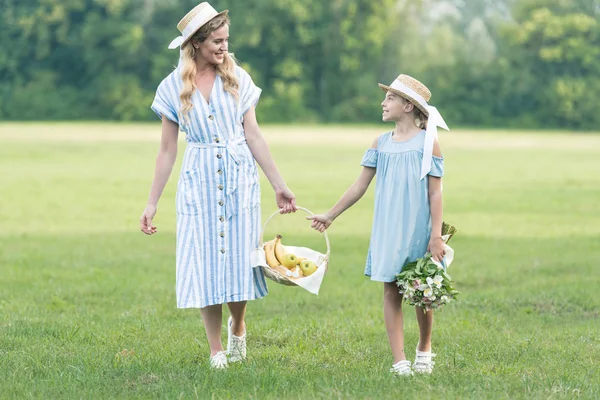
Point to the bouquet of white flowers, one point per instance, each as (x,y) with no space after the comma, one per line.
(425,283)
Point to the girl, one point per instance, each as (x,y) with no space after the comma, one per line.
(218,196)
(407,220)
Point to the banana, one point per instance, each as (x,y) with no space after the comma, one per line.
(270,254)
(279,249)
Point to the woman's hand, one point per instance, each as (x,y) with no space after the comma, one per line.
(146,220)
(436,248)
(320,222)
(286,201)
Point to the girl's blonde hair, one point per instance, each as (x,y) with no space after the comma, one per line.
(419,116)
(226,70)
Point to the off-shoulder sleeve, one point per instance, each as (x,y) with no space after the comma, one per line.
(163,101)
(370,158)
(437,167)
(249,92)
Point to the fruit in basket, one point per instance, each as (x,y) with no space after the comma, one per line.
(308,267)
(299,260)
(270,254)
(288,260)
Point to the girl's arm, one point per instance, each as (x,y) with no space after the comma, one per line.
(436,244)
(165,160)
(285,199)
(321,222)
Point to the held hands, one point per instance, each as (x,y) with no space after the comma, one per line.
(146,220)
(286,201)
(436,248)
(320,222)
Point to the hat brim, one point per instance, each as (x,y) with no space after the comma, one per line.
(224,12)
(386,89)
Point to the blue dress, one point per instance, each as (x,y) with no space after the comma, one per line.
(402,218)
(218,195)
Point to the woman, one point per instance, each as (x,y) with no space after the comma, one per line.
(218,197)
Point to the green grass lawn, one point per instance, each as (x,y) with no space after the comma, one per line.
(79,283)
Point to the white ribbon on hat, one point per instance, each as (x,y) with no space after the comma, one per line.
(200,19)
(433,121)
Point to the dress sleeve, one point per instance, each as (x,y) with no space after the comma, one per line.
(163,104)
(437,167)
(249,92)
(370,158)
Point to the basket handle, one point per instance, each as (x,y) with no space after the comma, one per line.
(262,234)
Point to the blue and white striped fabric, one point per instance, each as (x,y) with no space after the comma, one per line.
(218,195)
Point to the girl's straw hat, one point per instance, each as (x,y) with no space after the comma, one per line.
(412,90)
(418,94)
(193,21)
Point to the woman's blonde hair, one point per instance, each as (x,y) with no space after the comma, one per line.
(226,70)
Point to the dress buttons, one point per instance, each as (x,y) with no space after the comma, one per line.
(220,187)
(222,234)
(219,156)
(217,140)
(220,172)
(223,251)
(211,117)
(221,218)
(221,203)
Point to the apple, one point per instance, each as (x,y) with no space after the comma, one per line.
(308,267)
(289,260)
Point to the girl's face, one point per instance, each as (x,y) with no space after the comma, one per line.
(214,48)
(395,108)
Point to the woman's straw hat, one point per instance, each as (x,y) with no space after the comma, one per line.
(412,90)
(193,21)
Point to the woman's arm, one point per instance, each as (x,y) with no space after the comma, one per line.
(436,244)
(260,151)
(348,199)
(167,154)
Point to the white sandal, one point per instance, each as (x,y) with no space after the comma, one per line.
(402,368)
(219,360)
(424,362)
(236,345)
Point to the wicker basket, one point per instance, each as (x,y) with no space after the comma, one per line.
(310,283)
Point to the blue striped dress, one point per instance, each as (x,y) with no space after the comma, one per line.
(218,195)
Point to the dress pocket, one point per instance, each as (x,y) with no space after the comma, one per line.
(192,197)
(248,185)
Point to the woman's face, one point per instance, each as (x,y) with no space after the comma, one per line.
(395,108)
(214,48)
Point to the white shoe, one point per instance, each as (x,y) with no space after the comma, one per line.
(424,362)
(219,361)
(402,368)
(236,345)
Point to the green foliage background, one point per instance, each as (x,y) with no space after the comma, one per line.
(525,63)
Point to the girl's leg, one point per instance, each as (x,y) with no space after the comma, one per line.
(394,324)
(425,321)
(212,317)
(238,313)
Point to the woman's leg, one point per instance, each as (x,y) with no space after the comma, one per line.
(394,324)
(238,314)
(425,320)
(212,317)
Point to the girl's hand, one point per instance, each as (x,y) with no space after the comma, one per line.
(320,222)
(146,220)
(436,248)
(286,201)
